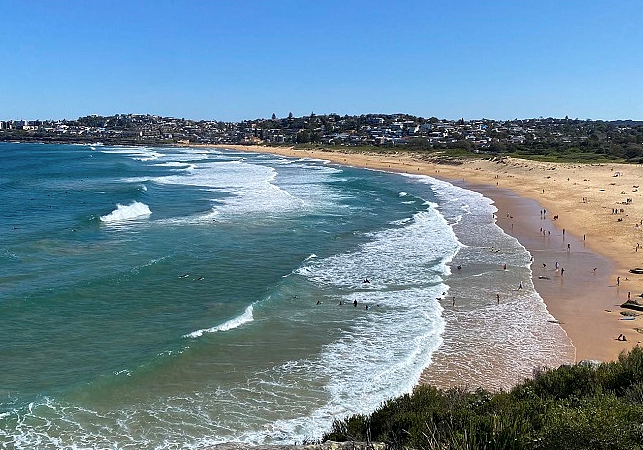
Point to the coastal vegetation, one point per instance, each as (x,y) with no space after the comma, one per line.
(582,406)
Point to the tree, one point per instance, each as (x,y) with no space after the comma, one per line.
(303,137)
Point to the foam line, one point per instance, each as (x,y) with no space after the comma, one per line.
(229,325)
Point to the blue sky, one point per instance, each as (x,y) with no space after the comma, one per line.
(235,60)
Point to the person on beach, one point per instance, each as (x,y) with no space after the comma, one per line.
(453,301)
(618,281)
(497,299)
(562,271)
(355,303)
(520,285)
(568,247)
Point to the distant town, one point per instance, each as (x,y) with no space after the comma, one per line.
(616,139)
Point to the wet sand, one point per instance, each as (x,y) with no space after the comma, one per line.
(578,293)
(579,297)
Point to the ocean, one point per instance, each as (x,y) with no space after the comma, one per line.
(161,298)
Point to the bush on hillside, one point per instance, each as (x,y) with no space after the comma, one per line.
(573,407)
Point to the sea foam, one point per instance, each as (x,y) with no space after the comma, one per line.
(229,325)
(127,212)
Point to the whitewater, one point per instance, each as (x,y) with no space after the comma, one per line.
(179,297)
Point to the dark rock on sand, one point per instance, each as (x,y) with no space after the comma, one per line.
(632,304)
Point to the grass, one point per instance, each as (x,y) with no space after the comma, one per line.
(572,155)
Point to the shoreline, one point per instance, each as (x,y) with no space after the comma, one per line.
(575,296)
(590,203)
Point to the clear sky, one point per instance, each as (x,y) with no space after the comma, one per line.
(245,59)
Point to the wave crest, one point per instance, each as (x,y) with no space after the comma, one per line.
(229,325)
(127,212)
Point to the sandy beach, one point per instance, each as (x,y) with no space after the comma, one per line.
(583,216)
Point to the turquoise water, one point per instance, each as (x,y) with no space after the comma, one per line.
(178,297)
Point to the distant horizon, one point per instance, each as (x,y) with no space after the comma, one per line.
(232,61)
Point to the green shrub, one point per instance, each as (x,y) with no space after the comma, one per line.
(572,407)
(596,423)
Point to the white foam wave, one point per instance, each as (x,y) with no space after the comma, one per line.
(525,339)
(141,153)
(517,332)
(127,212)
(384,351)
(150,156)
(252,184)
(229,325)
(381,355)
(179,164)
(401,256)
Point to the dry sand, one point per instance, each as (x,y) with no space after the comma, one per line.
(590,202)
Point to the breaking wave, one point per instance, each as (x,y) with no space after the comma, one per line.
(229,325)
(127,212)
